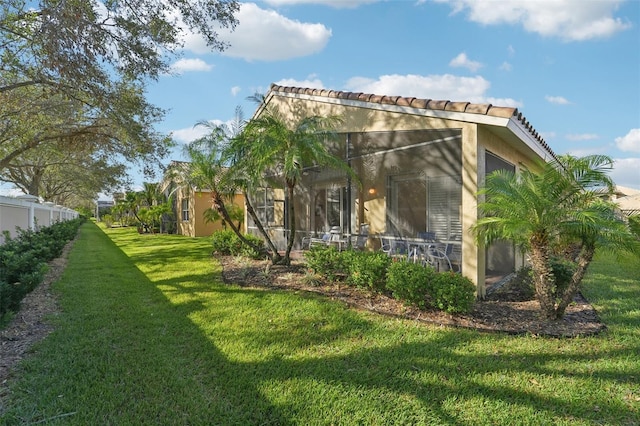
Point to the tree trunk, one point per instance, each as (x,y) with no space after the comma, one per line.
(218,203)
(275,255)
(584,259)
(292,223)
(542,276)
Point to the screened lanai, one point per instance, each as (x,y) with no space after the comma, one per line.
(418,164)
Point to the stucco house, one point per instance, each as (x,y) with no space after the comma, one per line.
(189,203)
(628,199)
(419,162)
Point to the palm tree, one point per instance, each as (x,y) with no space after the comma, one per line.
(209,170)
(558,211)
(273,146)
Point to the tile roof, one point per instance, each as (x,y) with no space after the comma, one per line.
(426,104)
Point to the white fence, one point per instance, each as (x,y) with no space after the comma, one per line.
(28,213)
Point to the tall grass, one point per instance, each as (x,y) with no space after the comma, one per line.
(150,335)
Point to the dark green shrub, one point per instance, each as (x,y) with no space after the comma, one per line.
(226,242)
(327,262)
(367,269)
(562,271)
(410,283)
(23,260)
(523,283)
(452,292)
(249,251)
(634,224)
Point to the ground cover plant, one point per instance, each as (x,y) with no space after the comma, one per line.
(23,262)
(148,334)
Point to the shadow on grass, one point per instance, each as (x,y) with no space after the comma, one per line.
(188,349)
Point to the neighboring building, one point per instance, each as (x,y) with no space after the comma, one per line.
(628,199)
(189,203)
(420,163)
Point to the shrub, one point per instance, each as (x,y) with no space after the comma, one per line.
(562,271)
(634,224)
(249,251)
(327,262)
(523,281)
(452,292)
(367,269)
(410,283)
(226,242)
(108,220)
(23,261)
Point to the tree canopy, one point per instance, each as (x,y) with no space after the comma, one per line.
(73,74)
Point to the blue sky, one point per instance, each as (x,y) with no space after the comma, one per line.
(572,67)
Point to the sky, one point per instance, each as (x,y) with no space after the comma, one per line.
(572,67)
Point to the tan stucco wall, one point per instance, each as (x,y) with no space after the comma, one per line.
(199,201)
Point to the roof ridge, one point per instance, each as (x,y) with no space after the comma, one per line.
(436,105)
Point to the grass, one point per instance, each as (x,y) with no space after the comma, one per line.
(150,335)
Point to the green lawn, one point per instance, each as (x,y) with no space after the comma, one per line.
(150,335)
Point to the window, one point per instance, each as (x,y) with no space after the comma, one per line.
(419,203)
(185,210)
(270,210)
(330,208)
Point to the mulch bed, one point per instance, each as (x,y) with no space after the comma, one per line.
(504,311)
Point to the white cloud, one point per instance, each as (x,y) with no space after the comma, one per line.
(582,137)
(235,90)
(582,152)
(506,66)
(630,141)
(626,172)
(190,134)
(570,20)
(338,4)
(184,65)
(558,100)
(440,87)
(312,83)
(463,61)
(265,35)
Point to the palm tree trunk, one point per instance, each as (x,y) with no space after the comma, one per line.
(292,224)
(542,276)
(584,259)
(274,255)
(218,203)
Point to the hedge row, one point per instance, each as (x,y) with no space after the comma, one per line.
(23,261)
(408,282)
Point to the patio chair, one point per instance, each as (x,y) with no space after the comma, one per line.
(323,241)
(336,238)
(362,237)
(455,256)
(427,236)
(437,256)
(394,247)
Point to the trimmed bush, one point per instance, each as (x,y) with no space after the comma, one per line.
(453,293)
(410,283)
(367,269)
(23,261)
(327,262)
(562,271)
(226,242)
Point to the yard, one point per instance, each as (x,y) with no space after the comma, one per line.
(148,333)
